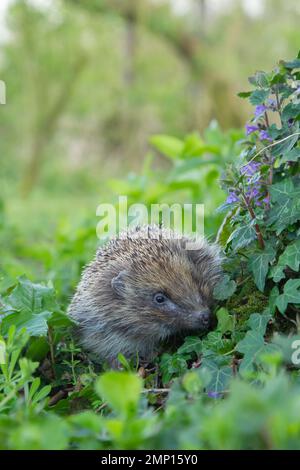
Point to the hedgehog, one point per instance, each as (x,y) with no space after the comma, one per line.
(143,287)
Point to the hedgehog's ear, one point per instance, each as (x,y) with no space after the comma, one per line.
(118,283)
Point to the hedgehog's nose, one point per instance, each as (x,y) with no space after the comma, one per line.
(204,317)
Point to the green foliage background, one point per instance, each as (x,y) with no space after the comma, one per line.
(97,90)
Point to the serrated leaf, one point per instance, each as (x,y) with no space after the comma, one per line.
(35,323)
(30,297)
(260,79)
(242,237)
(225,288)
(259,97)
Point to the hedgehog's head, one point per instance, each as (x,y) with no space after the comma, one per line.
(165,285)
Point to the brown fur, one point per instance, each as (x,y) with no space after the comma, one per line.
(115,305)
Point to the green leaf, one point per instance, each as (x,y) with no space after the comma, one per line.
(121,390)
(272,299)
(259,79)
(291,155)
(259,96)
(291,258)
(291,295)
(284,147)
(290,111)
(242,237)
(259,321)
(35,323)
(30,297)
(188,165)
(192,344)
(282,191)
(244,94)
(169,146)
(220,375)
(252,346)
(225,288)
(225,321)
(292,64)
(259,265)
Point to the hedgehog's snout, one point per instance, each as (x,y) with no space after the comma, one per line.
(204,318)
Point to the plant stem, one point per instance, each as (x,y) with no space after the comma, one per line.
(256,226)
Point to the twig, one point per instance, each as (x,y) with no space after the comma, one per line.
(256,226)
(269,146)
(57,397)
(52,357)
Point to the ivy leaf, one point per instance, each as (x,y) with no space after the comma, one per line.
(220,375)
(252,346)
(284,214)
(225,321)
(291,155)
(225,288)
(290,257)
(291,295)
(272,299)
(258,322)
(282,191)
(242,237)
(192,344)
(276,273)
(259,265)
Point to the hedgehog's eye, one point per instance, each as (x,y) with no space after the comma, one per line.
(160,298)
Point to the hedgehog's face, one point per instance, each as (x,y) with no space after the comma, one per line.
(181,314)
(173,293)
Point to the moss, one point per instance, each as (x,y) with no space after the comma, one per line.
(249,300)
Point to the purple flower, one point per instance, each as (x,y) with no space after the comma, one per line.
(263,135)
(250,129)
(266,199)
(298,91)
(232,198)
(259,110)
(250,168)
(212,394)
(272,104)
(255,194)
